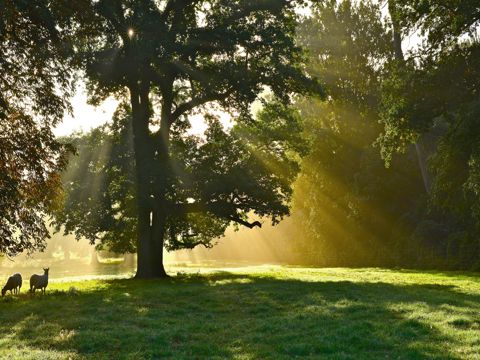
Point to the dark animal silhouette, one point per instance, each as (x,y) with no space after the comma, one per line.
(14,283)
(39,281)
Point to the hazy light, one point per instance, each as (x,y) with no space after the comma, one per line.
(85,116)
(131,33)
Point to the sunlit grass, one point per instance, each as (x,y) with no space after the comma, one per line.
(250,313)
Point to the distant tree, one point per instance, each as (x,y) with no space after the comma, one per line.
(172,59)
(347,204)
(34,85)
(436,90)
(435,79)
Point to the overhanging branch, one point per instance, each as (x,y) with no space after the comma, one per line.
(245,223)
(198,101)
(112,11)
(173,6)
(215,208)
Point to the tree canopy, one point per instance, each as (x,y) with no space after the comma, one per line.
(36,76)
(418,106)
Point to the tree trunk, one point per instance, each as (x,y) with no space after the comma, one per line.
(160,183)
(397,46)
(397,36)
(144,246)
(158,237)
(422,163)
(149,252)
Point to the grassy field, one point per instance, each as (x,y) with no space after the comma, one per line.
(250,313)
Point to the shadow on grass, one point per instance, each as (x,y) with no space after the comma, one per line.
(227,316)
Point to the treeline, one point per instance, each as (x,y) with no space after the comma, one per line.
(393,176)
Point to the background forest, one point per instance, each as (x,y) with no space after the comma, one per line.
(392,178)
(386,159)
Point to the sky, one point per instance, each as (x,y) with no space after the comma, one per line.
(85,117)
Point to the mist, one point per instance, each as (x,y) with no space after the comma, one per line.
(69,258)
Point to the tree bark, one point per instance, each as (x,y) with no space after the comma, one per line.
(158,237)
(151,158)
(149,254)
(422,164)
(161,178)
(397,46)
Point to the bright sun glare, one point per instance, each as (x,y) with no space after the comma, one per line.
(86,117)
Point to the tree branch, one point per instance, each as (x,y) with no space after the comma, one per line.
(215,208)
(245,223)
(175,5)
(190,208)
(193,103)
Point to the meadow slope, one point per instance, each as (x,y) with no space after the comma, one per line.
(250,313)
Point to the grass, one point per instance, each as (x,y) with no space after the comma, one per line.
(250,313)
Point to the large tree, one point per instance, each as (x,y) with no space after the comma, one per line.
(35,70)
(434,89)
(437,77)
(172,59)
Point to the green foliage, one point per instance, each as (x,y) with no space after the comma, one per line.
(270,313)
(34,60)
(439,77)
(419,92)
(435,92)
(347,44)
(456,167)
(352,210)
(99,186)
(347,204)
(247,169)
(443,23)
